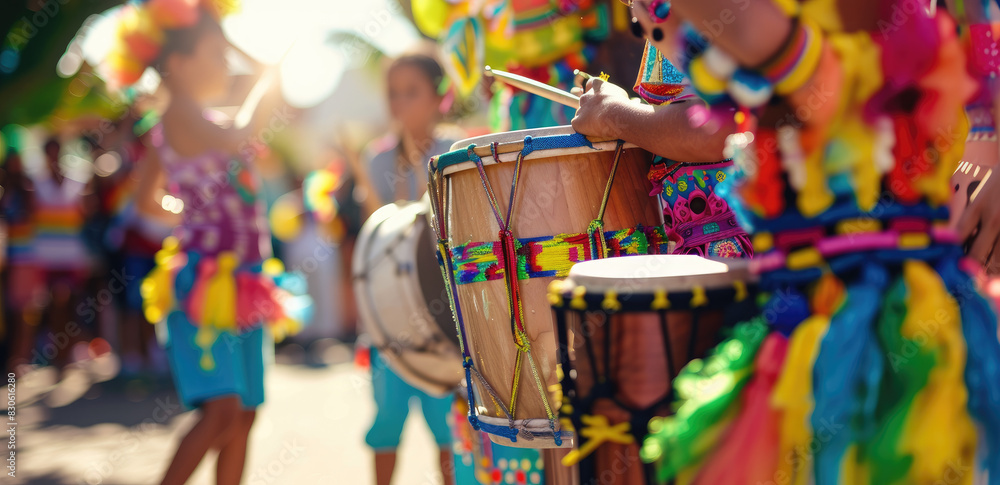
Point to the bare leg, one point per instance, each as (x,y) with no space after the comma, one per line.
(217,419)
(233,454)
(385,463)
(447,467)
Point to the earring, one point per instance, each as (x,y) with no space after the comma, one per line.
(657,34)
(659,10)
(637,29)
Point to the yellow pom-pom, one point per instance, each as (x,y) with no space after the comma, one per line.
(611,302)
(286,219)
(739,117)
(660,301)
(171,244)
(555,293)
(741,290)
(273,267)
(578,303)
(227,261)
(698,297)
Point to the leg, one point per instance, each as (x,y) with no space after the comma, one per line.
(217,419)
(392,400)
(436,410)
(385,464)
(447,462)
(232,455)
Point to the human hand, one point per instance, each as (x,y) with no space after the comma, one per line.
(603,107)
(980,223)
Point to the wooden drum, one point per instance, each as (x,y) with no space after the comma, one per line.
(566,188)
(628,327)
(402,298)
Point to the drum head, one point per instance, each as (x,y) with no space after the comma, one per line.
(512,136)
(646,273)
(432,284)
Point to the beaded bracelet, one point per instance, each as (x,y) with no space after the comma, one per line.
(715,74)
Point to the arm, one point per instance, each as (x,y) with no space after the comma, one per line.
(606,111)
(149,190)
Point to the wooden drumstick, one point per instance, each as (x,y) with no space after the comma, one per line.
(535,87)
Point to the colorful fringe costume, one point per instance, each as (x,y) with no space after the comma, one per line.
(696,219)
(215,271)
(874,359)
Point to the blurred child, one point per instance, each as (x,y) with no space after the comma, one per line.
(398,172)
(22,278)
(48,279)
(209,287)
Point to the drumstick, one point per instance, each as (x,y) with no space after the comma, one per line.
(535,87)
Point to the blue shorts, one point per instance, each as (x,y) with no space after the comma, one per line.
(236,364)
(392,397)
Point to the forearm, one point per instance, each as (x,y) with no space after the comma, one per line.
(749,31)
(667,132)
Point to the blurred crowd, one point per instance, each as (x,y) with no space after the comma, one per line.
(76,249)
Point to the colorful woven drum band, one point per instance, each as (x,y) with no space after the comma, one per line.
(546,256)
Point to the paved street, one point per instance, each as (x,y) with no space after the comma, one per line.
(122,432)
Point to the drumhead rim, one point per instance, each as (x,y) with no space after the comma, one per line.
(628,276)
(563,141)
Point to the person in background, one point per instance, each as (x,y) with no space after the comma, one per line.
(209,288)
(21,276)
(398,172)
(57,266)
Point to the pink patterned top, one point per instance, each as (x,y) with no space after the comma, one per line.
(221,209)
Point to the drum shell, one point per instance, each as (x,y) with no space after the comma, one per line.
(639,374)
(401,298)
(558,194)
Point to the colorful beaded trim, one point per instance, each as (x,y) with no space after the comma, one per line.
(547,256)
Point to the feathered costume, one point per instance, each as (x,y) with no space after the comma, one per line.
(874,358)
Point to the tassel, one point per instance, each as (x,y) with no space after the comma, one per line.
(982,370)
(611,302)
(846,375)
(793,397)
(660,301)
(888,463)
(749,453)
(219,306)
(708,390)
(157,288)
(936,447)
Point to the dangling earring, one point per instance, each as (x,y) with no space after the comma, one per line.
(659,11)
(657,34)
(637,29)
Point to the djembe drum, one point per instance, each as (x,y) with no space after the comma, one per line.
(626,328)
(513,212)
(402,298)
